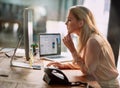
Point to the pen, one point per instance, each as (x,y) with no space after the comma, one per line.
(3,75)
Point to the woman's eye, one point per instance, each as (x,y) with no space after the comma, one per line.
(69,19)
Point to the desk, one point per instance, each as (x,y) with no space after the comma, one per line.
(29,78)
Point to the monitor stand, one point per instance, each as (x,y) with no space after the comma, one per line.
(22,64)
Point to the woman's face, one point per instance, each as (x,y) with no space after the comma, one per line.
(72,24)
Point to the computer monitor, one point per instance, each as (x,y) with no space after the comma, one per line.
(28,41)
(28,31)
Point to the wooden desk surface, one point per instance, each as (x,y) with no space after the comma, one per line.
(29,78)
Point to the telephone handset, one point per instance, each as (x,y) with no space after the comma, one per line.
(56,76)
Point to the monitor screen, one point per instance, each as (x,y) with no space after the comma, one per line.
(49,44)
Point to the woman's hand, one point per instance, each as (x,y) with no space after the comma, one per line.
(64,65)
(56,64)
(69,43)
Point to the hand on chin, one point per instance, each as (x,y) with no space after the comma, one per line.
(69,32)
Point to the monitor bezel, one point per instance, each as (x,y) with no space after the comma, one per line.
(28,37)
(59,47)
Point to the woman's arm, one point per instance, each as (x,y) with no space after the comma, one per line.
(89,62)
(92,55)
(78,60)
(65,65)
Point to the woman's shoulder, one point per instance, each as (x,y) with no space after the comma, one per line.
(97,40)
(94,39)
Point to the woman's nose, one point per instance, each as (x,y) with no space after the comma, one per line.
(66,23)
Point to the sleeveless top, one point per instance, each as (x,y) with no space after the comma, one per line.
(99,62)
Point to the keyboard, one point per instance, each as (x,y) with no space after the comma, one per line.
(55,56)
(58,58)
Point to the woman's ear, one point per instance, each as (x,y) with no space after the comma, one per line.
(81,23)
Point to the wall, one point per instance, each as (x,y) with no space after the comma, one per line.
(114,28)
(11,12)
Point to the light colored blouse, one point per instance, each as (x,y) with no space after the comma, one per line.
(99,62)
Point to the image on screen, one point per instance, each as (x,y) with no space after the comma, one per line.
(50,44)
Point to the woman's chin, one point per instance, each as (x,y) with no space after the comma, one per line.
(69,32)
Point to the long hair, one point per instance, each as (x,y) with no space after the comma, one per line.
(89,26)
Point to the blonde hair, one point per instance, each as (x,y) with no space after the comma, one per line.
(89,27)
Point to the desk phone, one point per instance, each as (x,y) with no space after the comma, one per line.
(54,76)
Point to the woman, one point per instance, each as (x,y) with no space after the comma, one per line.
(93,56)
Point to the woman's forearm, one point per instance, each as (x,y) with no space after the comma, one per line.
(71,66)
(79,61)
